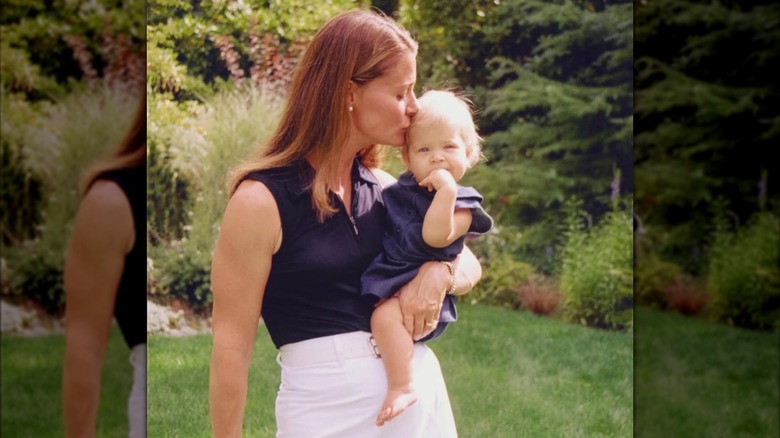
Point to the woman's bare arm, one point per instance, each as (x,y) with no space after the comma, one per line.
(103,234)
(239,272)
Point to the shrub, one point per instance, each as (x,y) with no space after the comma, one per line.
(20,74)
(501,277)
(744,277)
(538,294)
(686,295)
(597,272)
(167,194)
(231,126)
(56,142)
(503,196)
(154,286)
(652,276)
(169,187)
(36,275)
(22,193)
(206,43)
(22,188)
(685,244)
(182,272)
(502,271)
(62,142)
(201,143)
(47,47)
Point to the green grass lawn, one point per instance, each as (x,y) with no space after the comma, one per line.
(509,374)
(695,378)
(31,383)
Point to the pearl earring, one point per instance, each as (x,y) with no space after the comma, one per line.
(350,108)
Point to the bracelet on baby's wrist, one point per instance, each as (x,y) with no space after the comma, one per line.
(451,268)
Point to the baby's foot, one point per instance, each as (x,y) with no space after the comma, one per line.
(396,401)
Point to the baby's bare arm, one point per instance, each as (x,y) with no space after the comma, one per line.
(443,224)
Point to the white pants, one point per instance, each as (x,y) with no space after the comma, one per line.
(342,398)
(136,404)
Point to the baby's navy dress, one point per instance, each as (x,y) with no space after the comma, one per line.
(404,248)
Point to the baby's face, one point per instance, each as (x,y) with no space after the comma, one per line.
(437,145)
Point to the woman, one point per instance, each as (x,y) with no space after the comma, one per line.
(105,277)
(304,220)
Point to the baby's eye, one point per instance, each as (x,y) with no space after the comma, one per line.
(422,149)
(450,146)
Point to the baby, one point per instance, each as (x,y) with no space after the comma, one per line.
(429,215)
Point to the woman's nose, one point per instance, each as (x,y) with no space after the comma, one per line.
(412,108)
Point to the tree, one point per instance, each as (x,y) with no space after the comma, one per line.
(47,45)
(706,114)
(196,44)
(555,81)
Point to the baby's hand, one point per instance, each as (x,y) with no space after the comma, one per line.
(437,179)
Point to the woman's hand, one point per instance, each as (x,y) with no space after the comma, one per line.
(421,299)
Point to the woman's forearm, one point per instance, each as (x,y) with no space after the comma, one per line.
(81,391)
(468,271)
(227,391)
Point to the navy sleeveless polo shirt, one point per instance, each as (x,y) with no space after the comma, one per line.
(130,305)
(313,289)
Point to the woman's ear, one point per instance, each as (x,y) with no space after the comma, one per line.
(351,94)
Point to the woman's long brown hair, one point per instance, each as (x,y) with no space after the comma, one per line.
(131,152)
(358,46)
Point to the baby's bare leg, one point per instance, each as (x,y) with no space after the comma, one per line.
(397,350)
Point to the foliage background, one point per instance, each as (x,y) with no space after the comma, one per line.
(707,195)
(556,84)
(707,214)
(551,82)
(553,87)
(72,78)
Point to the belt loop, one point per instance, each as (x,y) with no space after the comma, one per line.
(339,347)
(374,348)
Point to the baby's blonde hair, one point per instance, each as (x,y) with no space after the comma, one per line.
(449,107)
